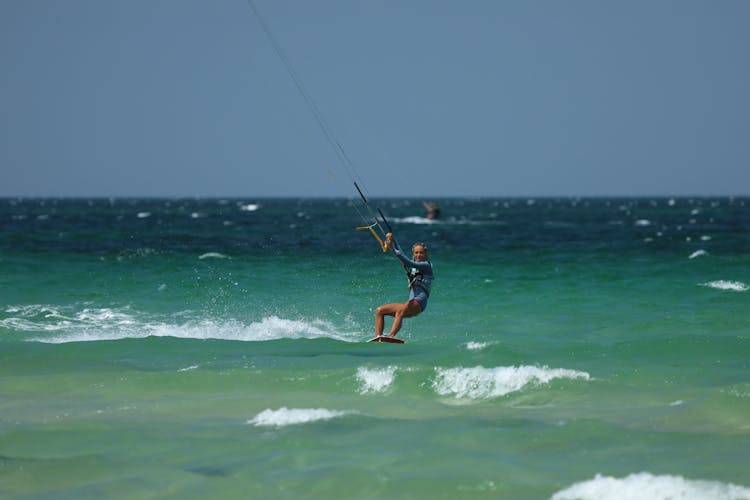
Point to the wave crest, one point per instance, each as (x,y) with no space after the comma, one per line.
(734,286)
(375,379)
(60,324)
(646,485)
(484,383)
(295,416)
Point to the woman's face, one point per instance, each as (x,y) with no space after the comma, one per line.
(419,252)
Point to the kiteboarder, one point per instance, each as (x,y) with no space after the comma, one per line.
(420,277)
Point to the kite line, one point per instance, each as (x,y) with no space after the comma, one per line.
(370,219)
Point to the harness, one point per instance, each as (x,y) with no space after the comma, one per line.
(417,279)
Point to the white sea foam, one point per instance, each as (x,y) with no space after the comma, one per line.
(734,286)
(250,207)
(46,318)
(213,255)
(483,383)
(415,220)
(646,485)
(375,379)
(698,253)
(295,416)
(477,346)
(270,328)
(61,324)
(737,392)
(451,221)
(643,222)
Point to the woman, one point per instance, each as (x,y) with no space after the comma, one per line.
(419,274)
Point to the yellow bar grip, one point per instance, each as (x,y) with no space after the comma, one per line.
(383,246)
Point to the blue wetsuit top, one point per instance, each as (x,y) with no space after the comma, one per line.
(420,277)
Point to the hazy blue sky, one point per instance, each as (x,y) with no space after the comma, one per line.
(428,98)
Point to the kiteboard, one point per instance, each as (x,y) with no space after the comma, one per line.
(385,338)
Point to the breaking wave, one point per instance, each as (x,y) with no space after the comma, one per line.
(295,416)
(734,286)
(484,383)
(646,485)
(58,324)
(374,380)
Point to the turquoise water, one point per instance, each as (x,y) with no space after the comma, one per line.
(575,348)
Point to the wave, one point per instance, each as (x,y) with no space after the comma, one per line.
(734,286)
(213,255)
(416,220)
(478,346)
(375,379)
(484,383)
(295,416)
(646,485)
(60,324)
(451,221)
(698,253)
(47,318)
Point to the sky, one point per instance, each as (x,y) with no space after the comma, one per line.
(427,98)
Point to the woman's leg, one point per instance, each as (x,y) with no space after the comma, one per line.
(408,309)
(380,313)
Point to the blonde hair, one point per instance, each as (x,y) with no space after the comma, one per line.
(419,244)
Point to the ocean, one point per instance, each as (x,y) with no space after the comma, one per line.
(592,348)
